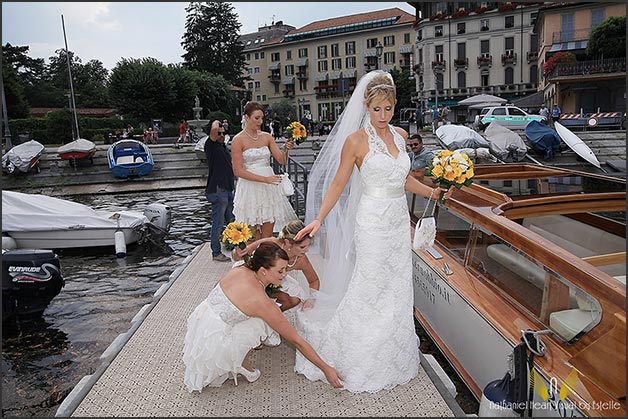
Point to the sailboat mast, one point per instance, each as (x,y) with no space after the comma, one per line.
(67,56)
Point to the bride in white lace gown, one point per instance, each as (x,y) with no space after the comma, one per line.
(362,321)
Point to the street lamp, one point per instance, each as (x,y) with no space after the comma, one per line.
(379,50)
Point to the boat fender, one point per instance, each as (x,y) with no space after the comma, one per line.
(120,243)
(9,243)
(497,398)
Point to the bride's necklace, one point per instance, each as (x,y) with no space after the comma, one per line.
(258,280)
(254,138)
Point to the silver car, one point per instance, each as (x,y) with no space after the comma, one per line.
(509,116)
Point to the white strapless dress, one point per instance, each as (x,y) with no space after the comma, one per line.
(255,203)
(370,337)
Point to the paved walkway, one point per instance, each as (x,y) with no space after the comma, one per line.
(146,376)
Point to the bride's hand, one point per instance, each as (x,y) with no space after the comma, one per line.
(311,228)
(308,304)
(274,179)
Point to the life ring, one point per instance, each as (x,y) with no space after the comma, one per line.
(592,122)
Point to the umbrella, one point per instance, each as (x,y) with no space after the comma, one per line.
(481,100)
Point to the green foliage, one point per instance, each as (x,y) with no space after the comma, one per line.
(559,57)
(405,88)
(211,40)
(214,94)
(283,108)
(185,87)
(17,106)
(142,87)
(608,40)
(30,70)
(44,94)
(59,127)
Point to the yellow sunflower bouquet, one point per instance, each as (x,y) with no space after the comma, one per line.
(295,132)
(237,234)
(450,168)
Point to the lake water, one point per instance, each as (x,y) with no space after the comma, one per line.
(43,360)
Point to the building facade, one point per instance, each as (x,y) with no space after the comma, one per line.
(316,67)
(468,48)
(592,83)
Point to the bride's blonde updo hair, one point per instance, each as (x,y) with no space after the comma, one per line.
(381,86)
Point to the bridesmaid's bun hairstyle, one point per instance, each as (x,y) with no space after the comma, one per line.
(291,229)
(266,255)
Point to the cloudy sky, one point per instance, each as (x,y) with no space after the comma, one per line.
(111,31)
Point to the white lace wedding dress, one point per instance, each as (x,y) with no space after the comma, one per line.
(255,203)
(370,338)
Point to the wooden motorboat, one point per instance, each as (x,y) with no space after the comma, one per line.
(535,252)
(129,158)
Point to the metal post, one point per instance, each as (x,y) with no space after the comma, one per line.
(67,56)
(5,119)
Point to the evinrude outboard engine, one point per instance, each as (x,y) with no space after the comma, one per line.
(31,278)
(159,216)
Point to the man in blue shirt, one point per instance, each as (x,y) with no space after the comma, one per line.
(555,113)
(419,156)
(219,189)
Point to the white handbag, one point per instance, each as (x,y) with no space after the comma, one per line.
(287,188)
(425,230)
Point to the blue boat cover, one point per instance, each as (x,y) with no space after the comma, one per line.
(544,139)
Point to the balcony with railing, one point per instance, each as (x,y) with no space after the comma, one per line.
(439,65)
(301,75)
(532,56)
(288,93)
(419,68)
(274,77)
(569,36)
(485,61)
(509,58)
(600,68)
(461,63)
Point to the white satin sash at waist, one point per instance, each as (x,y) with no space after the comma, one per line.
(375,192)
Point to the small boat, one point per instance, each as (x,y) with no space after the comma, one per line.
(544,139)
(576,144)
(23,157)
(36,221)
(31,278)
(79,149)
(528,274)
(129,158)
(505,144)
(454,137)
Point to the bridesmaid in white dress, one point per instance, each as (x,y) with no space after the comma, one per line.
(235,317)
(363,327)
(258,200)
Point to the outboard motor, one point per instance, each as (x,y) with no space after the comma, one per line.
(31,278)
(159,216)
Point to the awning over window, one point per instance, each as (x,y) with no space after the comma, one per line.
(273,66)
(334,75)
(288,80)
(349,73)
(405,49)
(566,46)
(321,77)
(370,53)
(301,62)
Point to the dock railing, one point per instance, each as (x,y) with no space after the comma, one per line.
(298,174)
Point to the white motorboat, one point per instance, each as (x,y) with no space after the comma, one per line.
(44,222)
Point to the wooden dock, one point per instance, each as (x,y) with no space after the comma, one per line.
(142,371)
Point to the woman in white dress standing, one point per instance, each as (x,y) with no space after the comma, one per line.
(258,200)
(362,321)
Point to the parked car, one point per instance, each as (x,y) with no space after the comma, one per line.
(509,116)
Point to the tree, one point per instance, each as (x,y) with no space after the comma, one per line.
(186,86)
(30,70)
(214,93)
(405,88)
(141,87)
(17,106)
(608,39)
(211,40)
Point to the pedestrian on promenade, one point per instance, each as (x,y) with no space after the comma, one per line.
(259,201)
(419,156)
(555,114)
(237,316)
(219,188)
(363,311)
(295,289)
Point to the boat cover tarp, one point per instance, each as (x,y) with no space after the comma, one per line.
(505,144)
(81,145)
(21,155)
(34,212)
(459,136)
(544,139)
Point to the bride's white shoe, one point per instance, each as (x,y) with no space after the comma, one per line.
(249,375)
